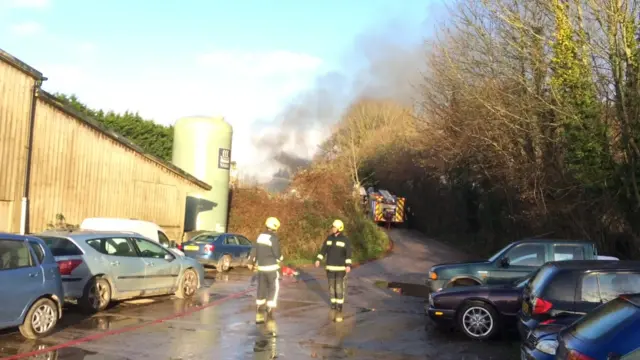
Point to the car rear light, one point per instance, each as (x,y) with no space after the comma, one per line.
(575,355)
(541,306)
(66,267)
(209,248)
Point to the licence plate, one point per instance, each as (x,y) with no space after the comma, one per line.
(192,248)
(525,307)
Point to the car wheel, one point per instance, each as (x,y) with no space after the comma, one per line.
(41,319)
(224,264)
(188,285)
(478,320)
(96,296)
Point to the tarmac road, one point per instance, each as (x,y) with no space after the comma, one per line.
(219,323)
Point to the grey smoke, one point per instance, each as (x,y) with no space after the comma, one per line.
(390,61)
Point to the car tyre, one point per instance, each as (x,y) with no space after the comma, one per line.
(224,264)
(41,319)
(188,284)
(478,320)
(96,296)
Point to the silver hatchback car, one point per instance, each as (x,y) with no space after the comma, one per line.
(98,267)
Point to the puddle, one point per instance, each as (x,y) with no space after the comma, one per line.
(70,353)
(408,289)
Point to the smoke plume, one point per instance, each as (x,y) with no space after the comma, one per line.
(383,64)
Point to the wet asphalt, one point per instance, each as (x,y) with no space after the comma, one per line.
(219,323)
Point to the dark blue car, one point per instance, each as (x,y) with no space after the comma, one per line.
(611,331)
(31,294)
(223,251)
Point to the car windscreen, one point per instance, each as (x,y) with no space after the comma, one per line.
(61,246)
(538,281)
(496,255)
(205,239)
(604,319)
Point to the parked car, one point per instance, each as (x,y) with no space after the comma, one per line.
(611,332)
(541,343)
(480,312)
(223,251)
(98,267)
(145,228)
(32,294)
(566,290)
(513,262)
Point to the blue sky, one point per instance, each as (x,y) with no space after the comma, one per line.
(244,59)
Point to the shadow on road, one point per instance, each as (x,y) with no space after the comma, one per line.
(314,285)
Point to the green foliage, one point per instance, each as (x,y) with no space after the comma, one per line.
(153,138)
(578,109)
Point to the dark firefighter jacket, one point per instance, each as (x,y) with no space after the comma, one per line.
(336,251)
(266,252)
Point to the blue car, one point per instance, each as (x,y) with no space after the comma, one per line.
(541,343)
(32,293)
(223,251)
(611,331)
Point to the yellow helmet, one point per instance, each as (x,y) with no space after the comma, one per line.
(272,223)
(338,224)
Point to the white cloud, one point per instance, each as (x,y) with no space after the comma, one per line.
(26,28)
(31,4)
(242,87)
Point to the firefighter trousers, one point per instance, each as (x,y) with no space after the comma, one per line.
(268,288)
(337,286)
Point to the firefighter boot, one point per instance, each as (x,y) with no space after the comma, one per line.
(259,315)
(270,315)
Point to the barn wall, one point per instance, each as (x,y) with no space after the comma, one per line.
(78,169)
(15,103)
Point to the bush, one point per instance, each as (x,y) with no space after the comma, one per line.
(315,198)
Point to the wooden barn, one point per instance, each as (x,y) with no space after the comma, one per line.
(54,160)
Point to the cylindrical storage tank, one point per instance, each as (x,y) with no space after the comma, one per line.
(202,147)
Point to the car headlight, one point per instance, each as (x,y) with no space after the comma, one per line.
(547,346)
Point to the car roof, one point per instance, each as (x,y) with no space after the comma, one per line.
(87,234)
(8,236)
(543,240)
(595,265)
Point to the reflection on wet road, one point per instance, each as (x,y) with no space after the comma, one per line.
(219,322)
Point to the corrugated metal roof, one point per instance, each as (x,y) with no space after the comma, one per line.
(52,100)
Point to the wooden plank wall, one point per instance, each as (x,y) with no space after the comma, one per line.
(15,104)
(77,170)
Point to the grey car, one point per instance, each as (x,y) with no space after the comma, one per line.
(98,267)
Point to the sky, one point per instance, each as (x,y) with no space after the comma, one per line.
(244,60)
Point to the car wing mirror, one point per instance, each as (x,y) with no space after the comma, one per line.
(504,262)
(169,257)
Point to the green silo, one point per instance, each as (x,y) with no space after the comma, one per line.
(202,147)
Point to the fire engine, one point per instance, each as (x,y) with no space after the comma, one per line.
(383,207)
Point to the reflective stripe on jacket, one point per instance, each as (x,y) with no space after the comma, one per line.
(336,252)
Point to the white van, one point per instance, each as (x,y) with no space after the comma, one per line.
(144,228)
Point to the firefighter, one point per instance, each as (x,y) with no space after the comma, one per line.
(266,257)
(336,252)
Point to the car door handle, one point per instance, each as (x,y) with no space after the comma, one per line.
(115,263)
